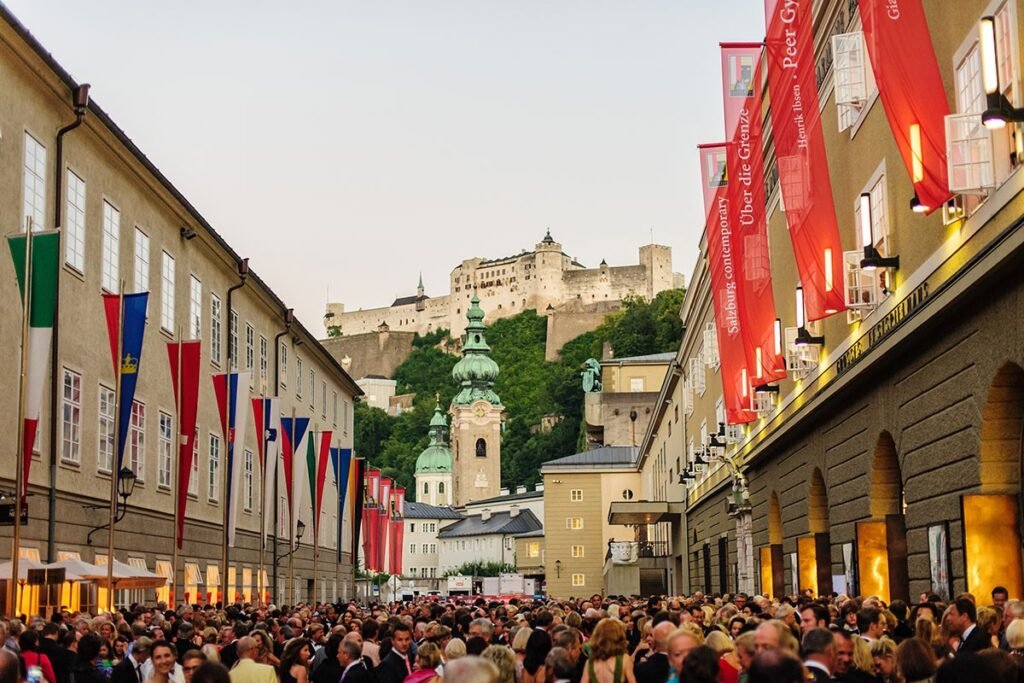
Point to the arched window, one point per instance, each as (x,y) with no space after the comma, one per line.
(440,487)
(426,487)
(481,448)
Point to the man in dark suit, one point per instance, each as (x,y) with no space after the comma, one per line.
(656,666)
(962,620)
(130,670)
(60,658)
(353,666)
(820,654)
(398,664)
(230,635)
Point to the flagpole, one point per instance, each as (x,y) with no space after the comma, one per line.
(292,541)
(182,439)
(263,496)
(228,464)
(316,516)
(19,476)
(115,470)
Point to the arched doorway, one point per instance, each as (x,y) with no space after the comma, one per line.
(882,540)
(994,512)
(814,551)
(772,576)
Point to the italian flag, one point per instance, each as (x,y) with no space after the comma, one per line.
(42,297)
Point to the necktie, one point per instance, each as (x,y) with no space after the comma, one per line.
(405,658)
(138,672)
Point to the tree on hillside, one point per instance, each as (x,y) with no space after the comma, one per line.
(642,327)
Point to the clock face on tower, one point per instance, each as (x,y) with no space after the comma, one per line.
(479,411)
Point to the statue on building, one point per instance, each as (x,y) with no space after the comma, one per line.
(591,376)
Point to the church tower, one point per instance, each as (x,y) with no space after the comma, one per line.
(434,465)
(476,416)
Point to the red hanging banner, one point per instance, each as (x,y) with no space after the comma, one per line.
(910,86)
(722,269)
(800,151)
(383,515)
(741,91)
(187,397)
(372,525)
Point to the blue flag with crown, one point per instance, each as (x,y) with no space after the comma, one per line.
(126,323)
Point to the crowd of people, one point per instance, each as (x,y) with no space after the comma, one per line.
(695,639)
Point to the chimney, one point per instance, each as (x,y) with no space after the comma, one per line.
(520,489)
(485,514)
(538,487)
(503,492)
(513,511)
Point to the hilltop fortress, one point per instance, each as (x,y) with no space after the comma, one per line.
(546,280)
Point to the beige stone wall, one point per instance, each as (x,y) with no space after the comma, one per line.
(371,353)
(37,103)
(475,477)
(572,320)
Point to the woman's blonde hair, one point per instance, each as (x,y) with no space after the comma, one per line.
(862,659)
(502,658)
(719,642)
(521,637)
(883,647)
(608,640)
(454,649)
(428,656)
(986,617)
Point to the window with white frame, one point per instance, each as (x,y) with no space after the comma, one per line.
(74,241)
(298,376)
(574,523)
(636,384)
(424,548)
(283,365)
(195,308)
(193,479)
(576,495)
(111,272)
(412,548)
(215,328)
(164,454)
(853,76)
(334,408)
(137,441)
(263,362)
(312,388)
(344,415)
(140,283)
(695,376)
(323,403)
(433,547)
(213,470)
(233,339)
(34,186)
(250,347)
(577,551)
(72,417)
(579,580)
(247,473)
(167,293)
(105,450)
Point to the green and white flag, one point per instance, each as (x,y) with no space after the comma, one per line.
(42,305)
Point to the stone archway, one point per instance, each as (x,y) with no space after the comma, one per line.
(1002,418)
(817,503)
(772,569)
(774,520)
(814,551)
(882,539)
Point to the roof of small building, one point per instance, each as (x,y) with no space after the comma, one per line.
(498,523)
(648,358)
(605,456)
(414,510)
(536,533)
(404,300)
(527,495)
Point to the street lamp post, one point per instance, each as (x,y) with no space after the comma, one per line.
(126,480)
(300,529)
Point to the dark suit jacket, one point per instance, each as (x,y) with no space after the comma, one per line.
(329,671)
(228,655)
(977,640)
(392,669)
(60,659)
(124,673)
(357,674)
(819,676)
(654,669)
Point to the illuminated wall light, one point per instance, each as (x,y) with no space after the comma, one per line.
(778,337)
(915,152)
(828,269)
(866,240)
(758,364)
(799,306)
(745,381)
(987,49)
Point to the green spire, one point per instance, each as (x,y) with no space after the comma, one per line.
(476,371)
(436,457)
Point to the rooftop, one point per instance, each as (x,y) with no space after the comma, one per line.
(499,523)
(528,495)
(403,300)
(598,458)
(414,510)
(652,358)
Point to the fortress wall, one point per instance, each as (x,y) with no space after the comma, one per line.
(372,353)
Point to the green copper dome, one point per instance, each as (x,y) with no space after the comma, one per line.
(437,457)
(476,370)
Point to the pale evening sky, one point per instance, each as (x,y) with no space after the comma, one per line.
(345,146)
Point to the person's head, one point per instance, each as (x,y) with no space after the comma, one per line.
(348,652)
(844,651)
(211,652)
(401,638)
(915,660)
(504,661)
(678,645)
(570,640)
(719,642)
(659,636)
(700,665)
(248,648)
(559,664)
(191,661)
(428,656)
(29,641)
(211,672)
(227,634)
(813,615)
(883,657)
(141,649)
(471,670)
(296,651)
(820,645)
(870,622)
(745,649)
(776,666)
(456,649)
(962,614)
(999,596)
(736,625)
(164,657)
(608,640)
(773,635)
(481,628)
(9,667)
(1015,634)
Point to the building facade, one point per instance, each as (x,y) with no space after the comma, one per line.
(888,462)
(531,280)
(488,537)
(423,523)
(125,227)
